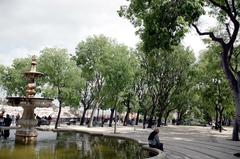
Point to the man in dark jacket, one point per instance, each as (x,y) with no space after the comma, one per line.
(153,140)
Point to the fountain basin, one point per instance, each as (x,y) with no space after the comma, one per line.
(23,102)
(71,145)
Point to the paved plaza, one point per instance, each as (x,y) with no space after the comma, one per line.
(181,142)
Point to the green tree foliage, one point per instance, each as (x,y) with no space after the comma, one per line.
(179,102)
(162,23)
(62,77)
(167,70)
(89,58)
(213,85)
(13,80)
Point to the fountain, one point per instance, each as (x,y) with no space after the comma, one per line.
(27,134)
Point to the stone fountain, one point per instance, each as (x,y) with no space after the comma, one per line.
(27,134)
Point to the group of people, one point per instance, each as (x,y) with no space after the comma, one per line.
(5,122)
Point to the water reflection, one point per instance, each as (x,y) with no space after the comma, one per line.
(65,145)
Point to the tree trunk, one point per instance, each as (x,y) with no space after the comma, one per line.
(126,119)
(216,117)
(59,112)
(235,136)
(166,115)
(179,118)
(102,118)
(115,124)
(220,120)
(111,117)
(137,119)
(235,86)
(98,114)
(90,123)
(160,119)
(144,119)
(83,116)
(150,120)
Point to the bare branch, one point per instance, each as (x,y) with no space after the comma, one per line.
(210,34)
(228,6)
(234,8)
(228,30)
(235,31)
(220,6)
(232,16)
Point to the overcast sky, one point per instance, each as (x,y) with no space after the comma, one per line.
(28,26)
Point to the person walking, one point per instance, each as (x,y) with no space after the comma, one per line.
(1,123)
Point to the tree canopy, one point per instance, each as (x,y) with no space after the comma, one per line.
(62,75)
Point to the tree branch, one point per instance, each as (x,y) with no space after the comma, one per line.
(228,6)
(228,30)
(210,34)
(231,49)
(220,6)
(234,8)
(235,31)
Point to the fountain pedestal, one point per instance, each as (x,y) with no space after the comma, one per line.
(27,134)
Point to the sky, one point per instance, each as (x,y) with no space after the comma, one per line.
(28,26)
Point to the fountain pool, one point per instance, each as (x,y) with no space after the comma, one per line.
(71,145)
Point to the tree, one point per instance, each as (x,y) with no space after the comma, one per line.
(119,72)
(13,80)
(166,71)
(215,90)
(61,74)
(89,55)
(163,23)
(141,84)
(129,101)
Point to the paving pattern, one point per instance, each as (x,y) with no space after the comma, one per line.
(182,142)
(199,143)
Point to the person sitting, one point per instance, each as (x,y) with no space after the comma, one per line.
(153,140)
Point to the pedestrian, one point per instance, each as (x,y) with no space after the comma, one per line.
(17,119)
(7,123)
(1,123)
(154,141)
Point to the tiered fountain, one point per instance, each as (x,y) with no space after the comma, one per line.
(27,133)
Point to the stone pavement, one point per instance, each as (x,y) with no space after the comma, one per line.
(180,142)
